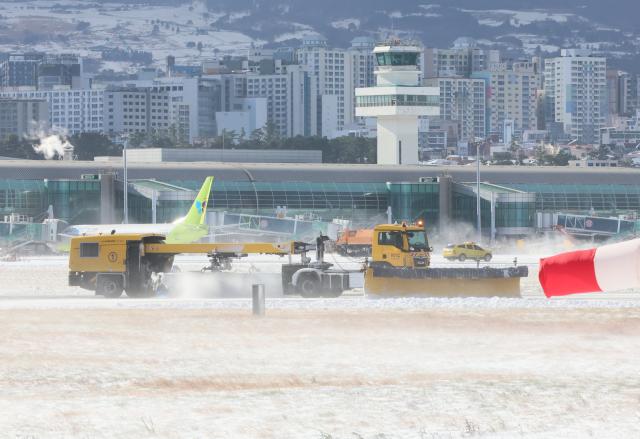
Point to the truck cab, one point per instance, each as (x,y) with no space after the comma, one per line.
(400,245)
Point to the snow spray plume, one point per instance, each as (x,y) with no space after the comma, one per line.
(455,232)
(52,146)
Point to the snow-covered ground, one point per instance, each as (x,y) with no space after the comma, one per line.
(90,27)
(72,365)
(320,373)
(497,17)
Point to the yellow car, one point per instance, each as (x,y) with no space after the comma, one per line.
(468,250)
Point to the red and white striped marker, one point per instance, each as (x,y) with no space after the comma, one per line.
(611,267)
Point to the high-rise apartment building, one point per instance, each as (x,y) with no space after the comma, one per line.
(20,70)
(291,98)
(23,117)
(364,61)
(334,71)
(303,98)
(76,111)
(61,70)
(71,111)
(463,101)
(42,71)
(512,95)
(461,60)
(275,89)
(167,105)
(209,103)
(576,93)
(622,93)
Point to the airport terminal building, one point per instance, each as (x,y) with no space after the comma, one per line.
(515,201)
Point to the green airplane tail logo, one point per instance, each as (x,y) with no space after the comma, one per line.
(193,226)
(197,213)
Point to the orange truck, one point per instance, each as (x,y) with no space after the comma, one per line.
(354,242)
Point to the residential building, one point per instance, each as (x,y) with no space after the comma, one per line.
(364,61)
(285,54)
(164,105)
(309,91)
(71,111)
(512,96)
(620,138)
(61,70)
(42,71)
(291,98)
(328,113)
(576,94)
(302,100)
(334,72)
(76,111)
(461,60)
(437,138)
(463,102)
(209,103)
(23,117)
(364,64)
(622,93)
(273,88)
(20,70)
(251,116)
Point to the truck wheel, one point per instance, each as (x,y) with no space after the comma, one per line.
(487,258)
(109,286)
(309,286)
(462,257)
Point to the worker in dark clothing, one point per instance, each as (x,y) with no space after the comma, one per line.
(320,240)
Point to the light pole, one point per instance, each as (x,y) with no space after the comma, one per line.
(478,211)
(126,182)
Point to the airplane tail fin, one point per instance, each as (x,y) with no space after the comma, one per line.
(198,211)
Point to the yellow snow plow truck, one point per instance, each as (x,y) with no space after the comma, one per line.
(401,266)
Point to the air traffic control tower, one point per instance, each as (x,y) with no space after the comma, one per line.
(397,101)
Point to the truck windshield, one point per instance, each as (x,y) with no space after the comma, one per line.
(417,241)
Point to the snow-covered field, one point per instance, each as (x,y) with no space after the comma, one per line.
(72,365)
(90,27)
(497,17)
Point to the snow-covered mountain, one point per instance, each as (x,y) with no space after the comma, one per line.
(195,29)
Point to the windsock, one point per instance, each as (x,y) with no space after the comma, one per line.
(611,267)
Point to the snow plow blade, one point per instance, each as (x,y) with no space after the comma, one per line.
(444,282)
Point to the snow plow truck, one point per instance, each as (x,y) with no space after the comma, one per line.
(400,265)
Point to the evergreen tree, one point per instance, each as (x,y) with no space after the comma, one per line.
(89,145)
